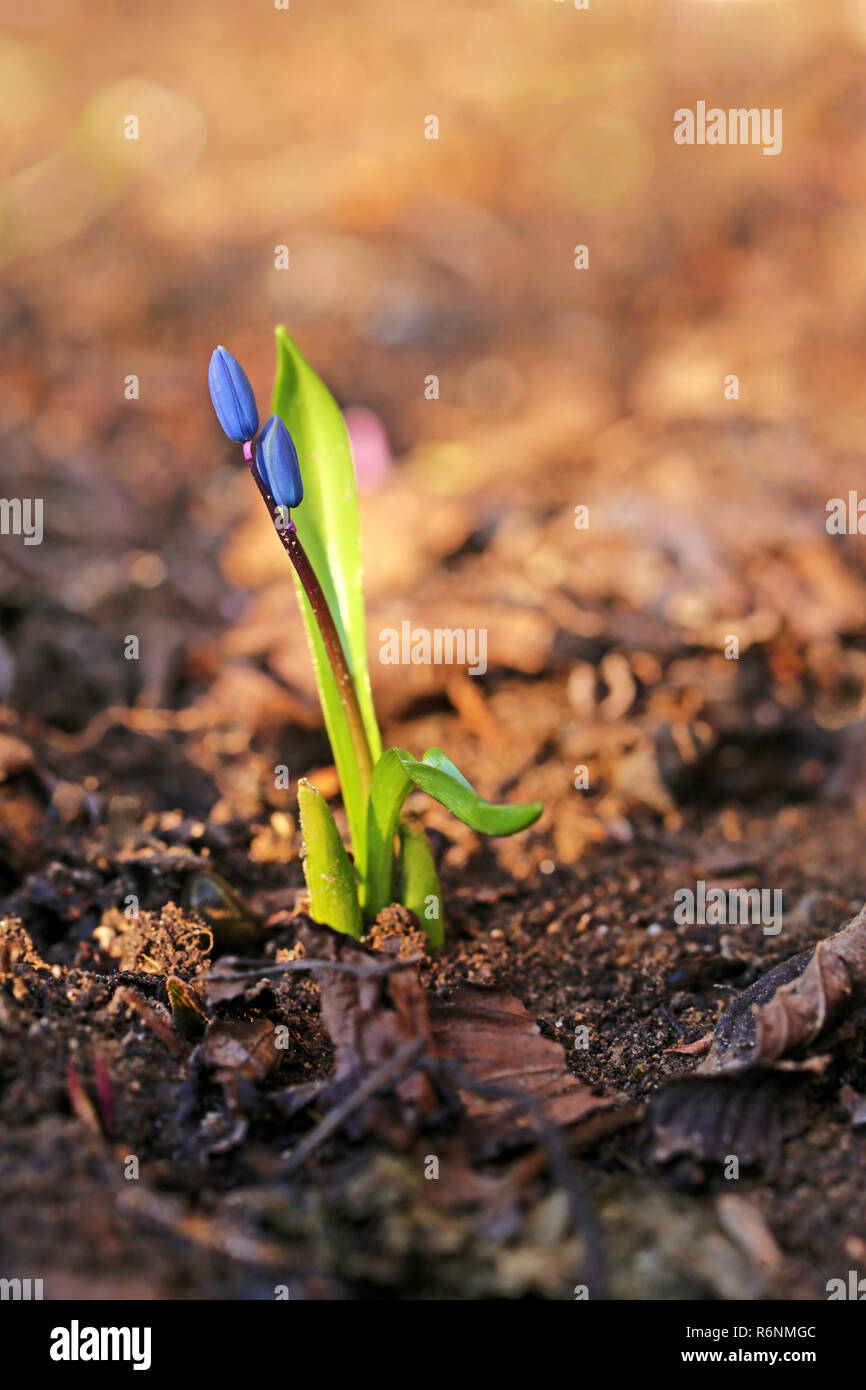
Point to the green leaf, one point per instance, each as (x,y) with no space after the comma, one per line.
(327,867)
(394,776)
(329,529)
(419,882)
(390,786)
(437,775)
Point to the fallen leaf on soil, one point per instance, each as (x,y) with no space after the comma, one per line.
(711,1117)
(792,1004)
(265,703)
(223,984)
(499,1048)
(370,1017)
(237,1048)
(513,1083)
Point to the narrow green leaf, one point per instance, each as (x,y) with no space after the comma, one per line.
(327,867)
(389,788)
(419,882)
(393,778)
(329,528)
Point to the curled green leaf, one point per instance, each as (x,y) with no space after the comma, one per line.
(394,776)
(437,775)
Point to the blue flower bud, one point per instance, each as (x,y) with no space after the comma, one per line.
(232,396)
(277,462)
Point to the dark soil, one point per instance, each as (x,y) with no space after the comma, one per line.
(591,944)
(150,1154)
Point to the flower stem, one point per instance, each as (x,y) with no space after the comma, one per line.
(327,627)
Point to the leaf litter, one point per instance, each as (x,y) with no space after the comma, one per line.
(748,1094)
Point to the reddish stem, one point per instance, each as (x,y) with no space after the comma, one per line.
(325,621)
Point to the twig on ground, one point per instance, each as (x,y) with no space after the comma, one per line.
(376,1081)
(362,972)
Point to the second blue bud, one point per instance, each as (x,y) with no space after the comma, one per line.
(277,462)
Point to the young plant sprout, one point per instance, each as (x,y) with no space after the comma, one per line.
(323,542)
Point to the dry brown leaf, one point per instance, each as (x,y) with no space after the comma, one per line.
(370,1017)
(512,1082)
(237,1048)
(789,1007)
(708,1118)
(495,1042)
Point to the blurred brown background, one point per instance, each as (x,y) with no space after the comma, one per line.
(558,387)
